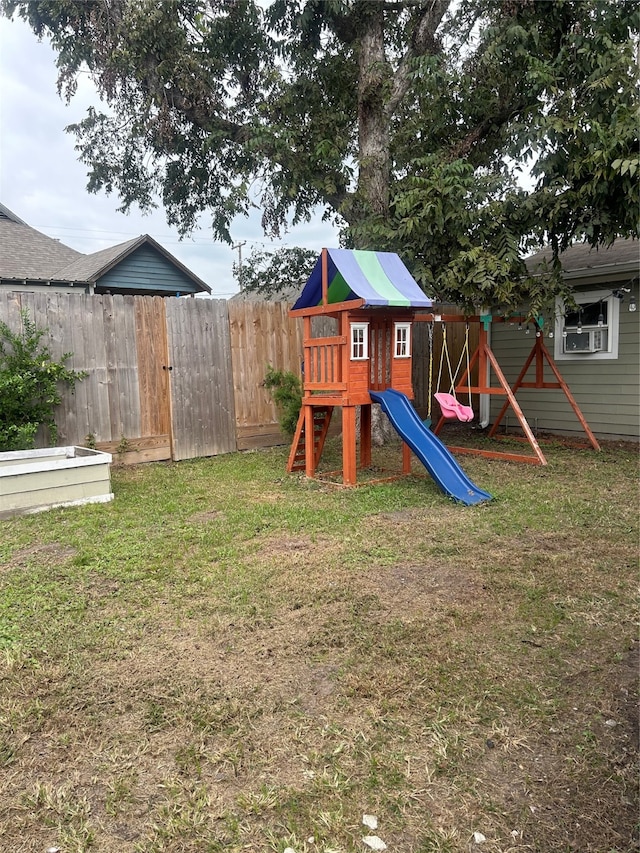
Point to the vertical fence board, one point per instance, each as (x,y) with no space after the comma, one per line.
(151,350)
(75,333)
(99,422)
(110,321)
(129,385)
(222,405)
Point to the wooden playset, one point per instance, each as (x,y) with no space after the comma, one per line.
(374,302)
(372,298)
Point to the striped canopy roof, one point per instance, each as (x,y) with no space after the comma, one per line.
(380,278)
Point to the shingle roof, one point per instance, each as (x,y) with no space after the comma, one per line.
(623,252)
(5,213)
(27,254)
(89,267)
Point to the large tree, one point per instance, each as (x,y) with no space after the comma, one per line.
(406,120)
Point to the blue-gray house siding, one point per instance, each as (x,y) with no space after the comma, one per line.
(143,271)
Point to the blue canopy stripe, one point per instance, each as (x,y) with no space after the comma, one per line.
(388,294)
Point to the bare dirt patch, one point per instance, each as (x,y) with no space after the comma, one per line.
(291,545)
(52,554)
(409,591)
(206,516)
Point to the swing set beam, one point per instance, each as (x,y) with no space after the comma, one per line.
(484,357)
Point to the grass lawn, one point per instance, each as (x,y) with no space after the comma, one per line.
(228,658)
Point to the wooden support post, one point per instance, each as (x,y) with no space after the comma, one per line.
(365,436)
(483,373)
(516,408)
(308,368)
(349,467)
(345,332)
(309,450)
(325,277)
(585,426)
(517,384)
(406,458)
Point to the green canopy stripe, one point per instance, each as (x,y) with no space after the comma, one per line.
(378,279)
(339,290)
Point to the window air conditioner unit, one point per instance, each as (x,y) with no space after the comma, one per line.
(587,341)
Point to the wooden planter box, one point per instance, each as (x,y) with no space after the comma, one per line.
(35,480)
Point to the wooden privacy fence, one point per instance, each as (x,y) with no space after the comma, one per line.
(170,378)
(166,378)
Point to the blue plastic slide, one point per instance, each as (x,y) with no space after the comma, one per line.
(428,448)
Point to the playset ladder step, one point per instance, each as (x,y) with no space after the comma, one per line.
(321,421)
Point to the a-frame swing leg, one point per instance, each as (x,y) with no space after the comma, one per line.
(541,354)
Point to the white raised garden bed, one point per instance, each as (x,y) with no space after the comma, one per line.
(34,480)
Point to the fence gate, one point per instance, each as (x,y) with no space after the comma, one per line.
(201,381)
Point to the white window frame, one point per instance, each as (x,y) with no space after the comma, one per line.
(402,337)
(359,341)
(589,297)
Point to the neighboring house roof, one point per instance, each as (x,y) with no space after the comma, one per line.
(26,253)
(140,265)
(5,213)
(90,267)
(583,261)
(380,278)
(93,267)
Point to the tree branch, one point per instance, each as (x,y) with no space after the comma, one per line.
(423,43)
(504,112)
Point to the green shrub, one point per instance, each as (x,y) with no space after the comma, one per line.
(286,390)
(29,385)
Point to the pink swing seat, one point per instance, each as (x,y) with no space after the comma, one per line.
(452,408)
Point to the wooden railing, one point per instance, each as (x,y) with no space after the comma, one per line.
(323,364)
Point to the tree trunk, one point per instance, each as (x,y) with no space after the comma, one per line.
(373,125)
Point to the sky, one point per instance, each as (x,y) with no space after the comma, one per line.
(44,184)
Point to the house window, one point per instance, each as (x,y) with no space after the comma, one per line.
(403,340)
(589,331)
(359,341)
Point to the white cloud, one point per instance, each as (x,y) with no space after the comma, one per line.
(43,183)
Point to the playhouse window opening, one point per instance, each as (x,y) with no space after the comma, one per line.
(403,341)
(359,341)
